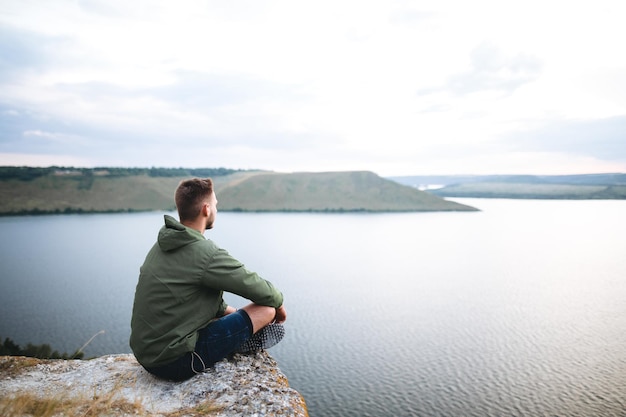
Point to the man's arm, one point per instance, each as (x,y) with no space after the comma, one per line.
(225,273)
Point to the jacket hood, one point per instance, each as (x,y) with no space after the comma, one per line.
(174,235)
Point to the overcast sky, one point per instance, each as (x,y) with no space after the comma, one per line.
(395,87)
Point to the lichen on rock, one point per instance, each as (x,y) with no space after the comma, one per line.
(116,385)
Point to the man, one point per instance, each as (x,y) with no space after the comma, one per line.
(180,324)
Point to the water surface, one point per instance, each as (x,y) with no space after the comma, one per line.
(515,310)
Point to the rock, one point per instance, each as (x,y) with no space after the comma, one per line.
(116,385)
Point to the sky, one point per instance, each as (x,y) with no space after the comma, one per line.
(396,87)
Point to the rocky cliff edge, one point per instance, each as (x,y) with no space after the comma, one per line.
(116,385)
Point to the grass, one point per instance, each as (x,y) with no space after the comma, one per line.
(535,191)
(10,367)
(110,403)
(101,403)
(59,194)
(27,404)
(241,191)
(356,191)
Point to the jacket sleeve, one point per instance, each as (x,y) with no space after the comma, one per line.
(225,273)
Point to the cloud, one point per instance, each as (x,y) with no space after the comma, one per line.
(604,139)
(39,133)
(223,109)
(194,89)
(21,51)
(290,85)
(44,160)
(491,71)
(410,18)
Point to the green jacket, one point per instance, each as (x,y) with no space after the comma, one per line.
(180,290)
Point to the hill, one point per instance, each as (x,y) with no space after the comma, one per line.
(327,191)
(579,187)
(68,190)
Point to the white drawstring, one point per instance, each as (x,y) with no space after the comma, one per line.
(203,365)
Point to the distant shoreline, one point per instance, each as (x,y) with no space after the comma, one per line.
(610,186)
(52,191)
(286,211)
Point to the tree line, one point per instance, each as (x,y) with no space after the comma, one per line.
(44,351)
(25,173)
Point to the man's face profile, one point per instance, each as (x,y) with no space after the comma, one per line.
(212,211)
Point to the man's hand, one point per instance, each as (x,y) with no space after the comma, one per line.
(229,309)
(281,315)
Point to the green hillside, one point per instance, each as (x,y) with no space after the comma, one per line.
(328,191)
(533,191)
(51,194)
(107,190)
(578,187)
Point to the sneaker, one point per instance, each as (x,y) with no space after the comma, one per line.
(265,338)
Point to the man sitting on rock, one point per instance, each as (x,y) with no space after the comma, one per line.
(181,325)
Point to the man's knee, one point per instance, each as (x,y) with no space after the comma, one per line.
(260,315)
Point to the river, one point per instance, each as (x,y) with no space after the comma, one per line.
(518,309)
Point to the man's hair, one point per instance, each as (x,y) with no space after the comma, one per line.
(191,195)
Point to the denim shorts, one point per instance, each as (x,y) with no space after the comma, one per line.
(215,342)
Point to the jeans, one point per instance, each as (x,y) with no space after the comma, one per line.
(215,342)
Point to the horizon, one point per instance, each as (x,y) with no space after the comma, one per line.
(311,172)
